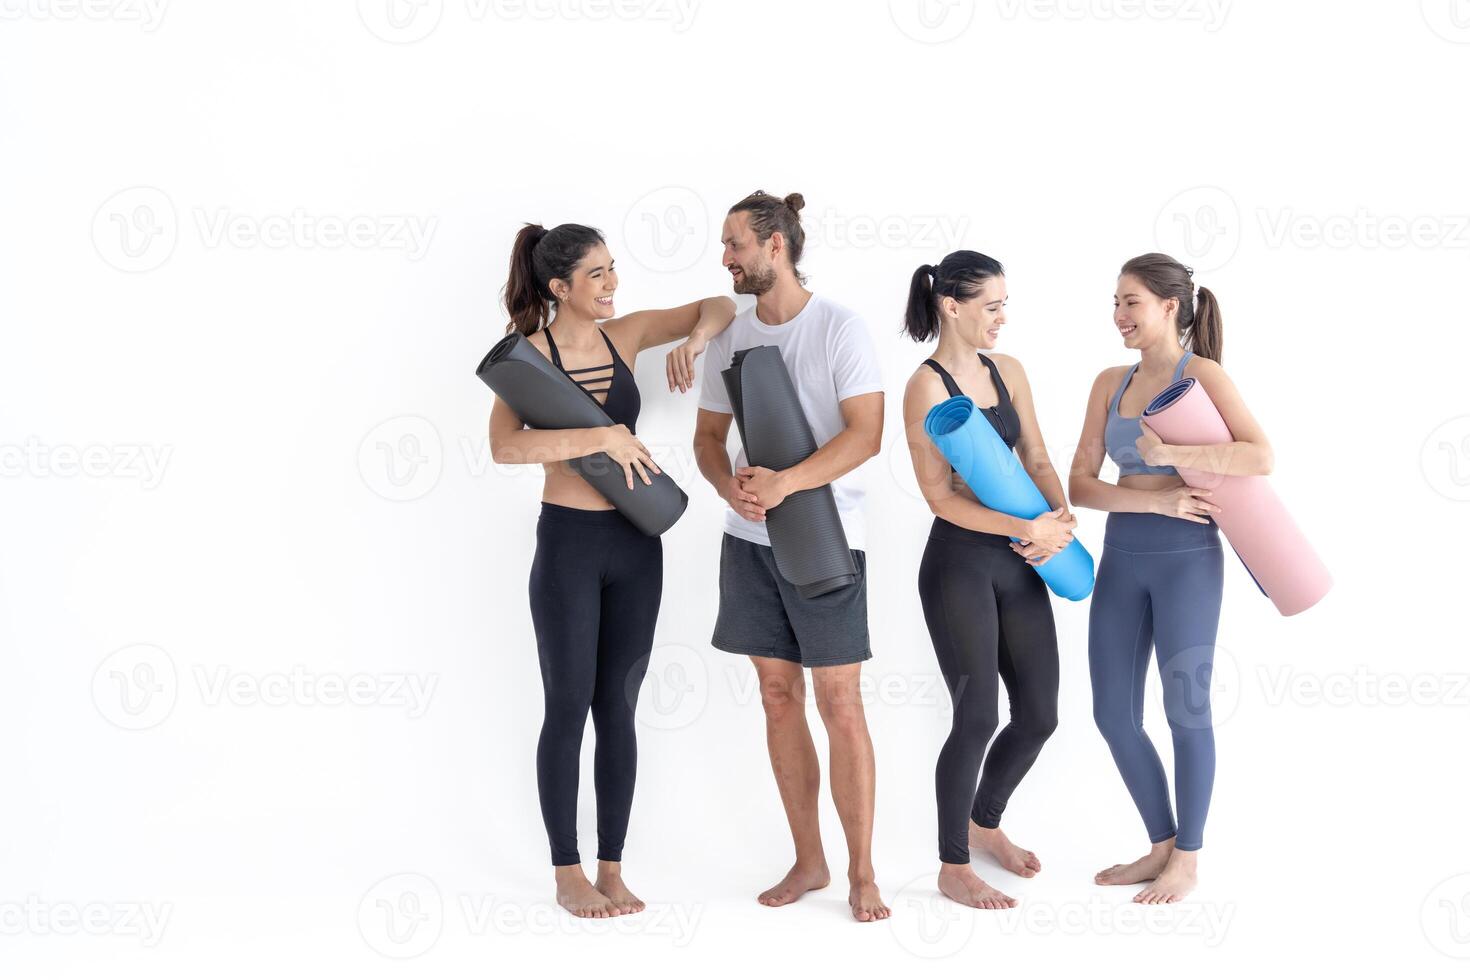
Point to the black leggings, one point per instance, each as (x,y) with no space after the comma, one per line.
(596,581)
(988,614)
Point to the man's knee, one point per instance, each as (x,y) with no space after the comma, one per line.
(840,700)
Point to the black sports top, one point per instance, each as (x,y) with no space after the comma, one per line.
(1002,414)
(623,401)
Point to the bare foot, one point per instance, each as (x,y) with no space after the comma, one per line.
(610,883)
(576,894)
(1145,868)
(798,881)
(1177,880)
(960,883)
(1016,860)
(867,904)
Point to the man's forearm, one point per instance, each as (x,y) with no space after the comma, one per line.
(714,462)
(842,454)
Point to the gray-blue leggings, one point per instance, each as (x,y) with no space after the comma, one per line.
(1158,585)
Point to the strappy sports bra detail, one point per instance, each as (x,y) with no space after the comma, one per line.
(1002,414)
(623,401)
(1121,432)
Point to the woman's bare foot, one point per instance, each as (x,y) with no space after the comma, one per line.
(1145,868)
(960,883)
(867,904)
(576,894)
(1016,860)
(610,883)
(1176,880)
(798,881)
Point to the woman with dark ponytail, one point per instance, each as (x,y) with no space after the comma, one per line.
(596,580)
(1161,574)
(988,612)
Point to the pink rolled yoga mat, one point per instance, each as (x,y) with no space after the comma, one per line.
(1255,521)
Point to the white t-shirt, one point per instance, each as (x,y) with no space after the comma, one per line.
(830,356)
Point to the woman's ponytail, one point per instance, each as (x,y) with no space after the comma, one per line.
(1207,336)
(920,318)
(527,302)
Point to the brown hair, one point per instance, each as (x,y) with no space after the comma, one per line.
(538,257)
(770,214)
(1199,322)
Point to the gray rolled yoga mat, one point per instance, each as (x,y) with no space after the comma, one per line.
(807,539)
(545,398)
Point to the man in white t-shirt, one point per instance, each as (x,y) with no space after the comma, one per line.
(834,368)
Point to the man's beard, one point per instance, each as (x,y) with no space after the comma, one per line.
(755,282)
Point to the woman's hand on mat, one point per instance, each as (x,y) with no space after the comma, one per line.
(1034,554)
(1190,503)
(629,452)
(768,486)
(741,501)
(1151,448)
(679,365)
(1046,536)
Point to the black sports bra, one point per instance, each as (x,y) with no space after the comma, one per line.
(623,401)
(1002,414)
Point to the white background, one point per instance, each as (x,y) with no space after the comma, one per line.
(245,461)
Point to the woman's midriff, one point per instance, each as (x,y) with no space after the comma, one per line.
(1150,481)
(565,487)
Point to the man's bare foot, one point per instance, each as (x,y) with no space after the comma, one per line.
(960,883)
(1146,868)
(1177,880)
(1016,860)
(610,883)
(798,881)
(867,904)
(576,894)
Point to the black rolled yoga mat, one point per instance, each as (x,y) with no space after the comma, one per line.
(545,398)
(807,539)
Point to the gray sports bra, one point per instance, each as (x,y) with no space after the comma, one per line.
(1122,432)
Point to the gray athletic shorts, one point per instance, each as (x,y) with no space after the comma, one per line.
(762,614)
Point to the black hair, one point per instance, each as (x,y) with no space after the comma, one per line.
(961,274)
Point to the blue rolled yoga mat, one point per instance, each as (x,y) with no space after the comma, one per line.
(989,467)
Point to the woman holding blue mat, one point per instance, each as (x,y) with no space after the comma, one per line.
(1160,577)
(988,612)
(596,579)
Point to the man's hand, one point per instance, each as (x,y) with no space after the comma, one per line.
(741,501)
(767,487)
